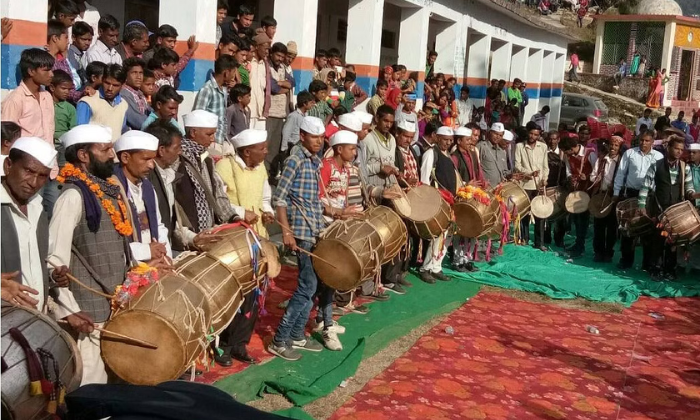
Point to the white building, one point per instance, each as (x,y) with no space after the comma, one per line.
(476,40)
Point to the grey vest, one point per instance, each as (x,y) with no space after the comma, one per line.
(10,259)
(99,260)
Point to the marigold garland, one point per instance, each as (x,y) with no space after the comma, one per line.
(117,217)
(470,192)
(137,278)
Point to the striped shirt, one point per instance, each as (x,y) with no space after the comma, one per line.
(298,191)
(673,172)
(212,98)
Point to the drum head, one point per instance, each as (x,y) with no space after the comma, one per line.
(139,365)
(425,203)
(601,205)
(542,207)
(347,274)
(577,202)
(469,219)
(272,257)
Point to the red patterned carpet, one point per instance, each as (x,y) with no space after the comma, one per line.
(510,359)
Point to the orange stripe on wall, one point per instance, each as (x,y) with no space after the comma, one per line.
(25,32)
(546,85)
(204,52)
(533,85)
(365,70)
(477,81)
(303,63)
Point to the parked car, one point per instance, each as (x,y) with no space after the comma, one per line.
(576,109)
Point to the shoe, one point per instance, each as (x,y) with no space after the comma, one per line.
(284,352)
(357,309)
(599,258)
(541,248)
(330,339)
(624,265)
(670,276)
(441,276)
(461,268)
(427,277)
(401,279)
(245,358)
(307,344)
(395,288)
(338,311)
(470,267)
(337,328)
(224,360)
(378,297)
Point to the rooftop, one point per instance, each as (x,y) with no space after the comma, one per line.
(686,20)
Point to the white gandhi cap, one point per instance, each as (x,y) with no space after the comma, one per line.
(445,131)
(249,137)
(343,137)
(498,127)
(407,126)
(201,119)
(365,117)
(87,133)
(36,148)
(351,122)
(136,140)
(313,126)
(463,132)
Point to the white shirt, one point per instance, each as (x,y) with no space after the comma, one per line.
(100,52)
(610,165)
(142,250)
(465,111)
(645,121)
(2,164)
(634,166)
(267,193)
(91,17)
(31,264)
(592,158)
(426,167)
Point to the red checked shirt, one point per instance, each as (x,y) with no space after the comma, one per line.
(410,166)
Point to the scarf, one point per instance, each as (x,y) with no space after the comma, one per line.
(193,152)
(149,201)
(93,211)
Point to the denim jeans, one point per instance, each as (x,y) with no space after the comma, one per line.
(293,322)
(581,222)
(50,193)
(325,303)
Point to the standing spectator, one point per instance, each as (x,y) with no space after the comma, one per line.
(280,89)
(290,132)
(515,93)
(292,52)
(57,46)
(260,89)
(82,38)
(621,72)
(406,112)
(320,63)
(131,92)
(221,13)
(268,24)
(64,112)
(641,70)
(465,107)
(664,121)
(379,97)
(679,123)
(694,129)
(104,49)
(66,12)
(238,114)
(243,20)
(573,70)
(540,118)
(581,12)
(94,73)
(167,38)
(226,46)
(148,87)
(166,104)
(430,63)
(525,102)
(106,108)
(643,120)
(134,41)
(243,57)
(88,14)
(164,67)
(212,98)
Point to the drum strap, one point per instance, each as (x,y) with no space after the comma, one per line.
(33,363)
(90,270)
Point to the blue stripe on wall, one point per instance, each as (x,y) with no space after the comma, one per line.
(302,79)
(9,67)
(533,93)
(545,93)
(368,84)
(477,92)
(556,92)
(195,75)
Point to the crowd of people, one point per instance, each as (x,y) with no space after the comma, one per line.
(99,173)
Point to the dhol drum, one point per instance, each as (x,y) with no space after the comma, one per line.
(496,231)
(41,333)
(542,207)
(355,249)
(682,223)
(558,196)
(174,314)
(239,249)
(475,218)
(391,228)
(516,199)
(601,204)
(577,202)
(430,215)
(632,223)
(224,292)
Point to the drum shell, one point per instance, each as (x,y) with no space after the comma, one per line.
(234,251)
(632,223)
(174,314)
(41,332)
(391,228)
(474,218)
(354,247)
(496,231)
(224,292)
(558,196)
(682,223)
(515,197)
(601,205)
(431,215)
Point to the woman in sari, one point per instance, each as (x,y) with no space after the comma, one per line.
(654,87)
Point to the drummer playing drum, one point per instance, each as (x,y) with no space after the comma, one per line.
(531,159)
(603,176)
(579,163)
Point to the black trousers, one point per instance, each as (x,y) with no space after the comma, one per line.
(664,255)
(395,268)
(525,224)
(559,229)
(237,335)
(580,222)
(605,235)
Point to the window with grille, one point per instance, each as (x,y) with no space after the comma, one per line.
(650,42)
(616,39)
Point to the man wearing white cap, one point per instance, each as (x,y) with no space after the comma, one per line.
(406,112)
(300,214)
(136,152)
(438,170)
(199,192)
(494,159)
(466,160)
(347,122)
(25,227)
(89,233)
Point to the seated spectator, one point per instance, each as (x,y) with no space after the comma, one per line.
(166,103)
(94,73)
(106,108)
(320,63)
(379,97)
(545,7)
(166,37)
(82,38)
(321,109)
(350,85)
(132,94)
(104,49)
(164,66)
(134,41)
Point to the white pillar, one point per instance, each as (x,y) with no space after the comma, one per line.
(413,40)
(598,54)
(478,50)
(364,40)
(557,87)
(534,79)
(446,43)
(547,81)
(296,21)
(28,31)
(501,59)
(666,60)
(518,63)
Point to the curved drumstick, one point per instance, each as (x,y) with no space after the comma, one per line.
(309,253)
